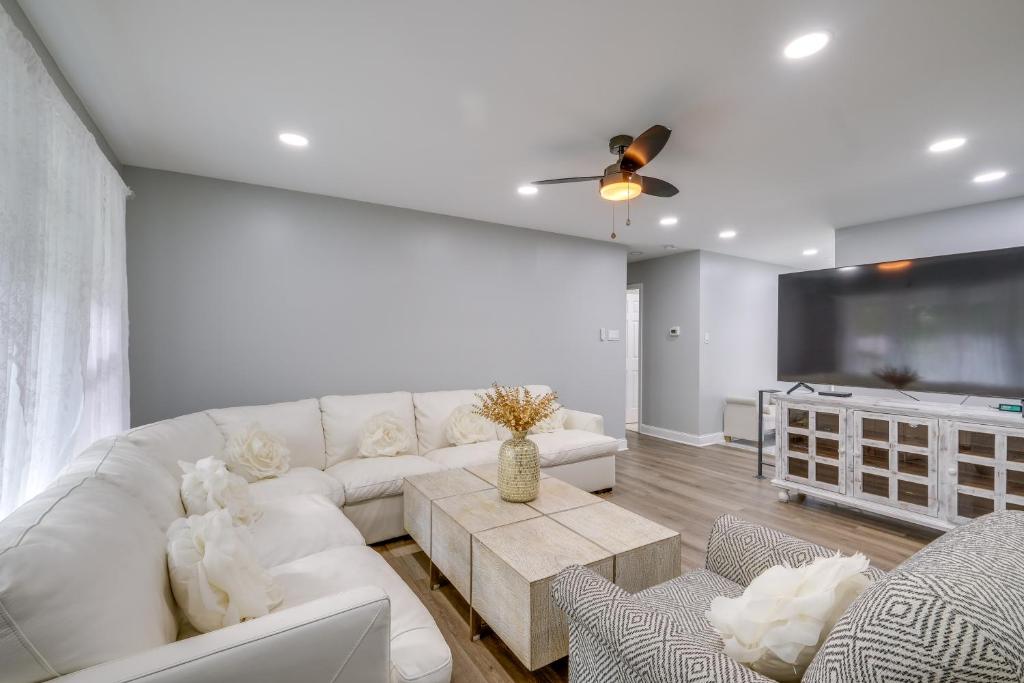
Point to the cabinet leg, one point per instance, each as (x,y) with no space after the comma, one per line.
(783,496)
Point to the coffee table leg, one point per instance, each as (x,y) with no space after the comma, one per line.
(476,624)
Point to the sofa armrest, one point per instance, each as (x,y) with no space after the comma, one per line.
(616,638)
(741,550)
(588,422)
(343,637)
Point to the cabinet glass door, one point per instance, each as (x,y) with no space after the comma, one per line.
(813,447)
(896,461)
(988,470)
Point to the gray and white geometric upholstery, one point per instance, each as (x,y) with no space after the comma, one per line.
(952,613)
(740,550)
(615,637)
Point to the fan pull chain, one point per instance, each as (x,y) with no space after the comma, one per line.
(613,220)
(628,181)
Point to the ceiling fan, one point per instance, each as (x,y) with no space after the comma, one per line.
(621,181)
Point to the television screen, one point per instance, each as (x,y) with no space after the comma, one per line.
(951,324)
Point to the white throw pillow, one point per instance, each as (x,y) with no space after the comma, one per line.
(208,485)
(215,577)
(466,426)
(784,615)
(256,454)
(384,434)
(553,424)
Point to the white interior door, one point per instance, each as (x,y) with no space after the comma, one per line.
(632,356)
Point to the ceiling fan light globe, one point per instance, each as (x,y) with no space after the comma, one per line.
(620,186)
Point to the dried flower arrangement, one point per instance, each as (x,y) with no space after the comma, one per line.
(515,408)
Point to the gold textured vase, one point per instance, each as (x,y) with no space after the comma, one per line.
(518,469)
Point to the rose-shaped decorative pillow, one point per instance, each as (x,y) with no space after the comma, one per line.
(785,614)
(255,454)
(384,434)
(215,577)
(466,426)
(208,485)
(553,424)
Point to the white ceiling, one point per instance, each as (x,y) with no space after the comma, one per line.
(448,106)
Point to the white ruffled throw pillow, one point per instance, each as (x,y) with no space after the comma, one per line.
(785,614)
(384,434)
(466,426)
(208,485)
(215,577)
(552,424)
(256,454)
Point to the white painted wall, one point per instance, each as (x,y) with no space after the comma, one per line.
(992,225)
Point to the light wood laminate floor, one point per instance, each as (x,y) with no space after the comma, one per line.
(685,488)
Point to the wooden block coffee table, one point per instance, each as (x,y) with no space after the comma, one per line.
(502,556)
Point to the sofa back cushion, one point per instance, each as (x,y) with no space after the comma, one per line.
(433,408)
(952,612)
(345,416)
(189,438)
(83,580)
(128,467)
(296,423)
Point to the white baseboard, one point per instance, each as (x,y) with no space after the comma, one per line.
(622,444)
(683,437)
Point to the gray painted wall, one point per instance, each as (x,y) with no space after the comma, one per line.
(739,314)
(992,225)
(240,294)
(670,366)
(25,26)
(734,301)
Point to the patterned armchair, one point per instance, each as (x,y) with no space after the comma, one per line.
(954,612)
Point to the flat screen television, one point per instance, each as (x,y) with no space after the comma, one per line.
(951,324)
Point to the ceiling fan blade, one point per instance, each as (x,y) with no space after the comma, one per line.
(556,181)
(644,148)
(658,187)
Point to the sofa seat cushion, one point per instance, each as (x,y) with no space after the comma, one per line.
(453,457)
(297,481)
(687,599)
(294,527)
(418,650)
(344,418)
(572,445)
(297,424)
(366,478)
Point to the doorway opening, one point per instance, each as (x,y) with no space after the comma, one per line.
(633,360)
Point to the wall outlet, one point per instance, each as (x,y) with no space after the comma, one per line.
(707,338)
(673,331)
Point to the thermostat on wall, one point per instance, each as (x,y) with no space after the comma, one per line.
(673,331)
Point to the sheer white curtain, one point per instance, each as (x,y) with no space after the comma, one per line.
(63,306)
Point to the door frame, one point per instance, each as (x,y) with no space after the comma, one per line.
(639,286)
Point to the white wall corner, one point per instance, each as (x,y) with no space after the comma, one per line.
(683,437)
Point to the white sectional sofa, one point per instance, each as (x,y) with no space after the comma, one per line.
(84,589)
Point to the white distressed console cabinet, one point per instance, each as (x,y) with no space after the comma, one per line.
(934,464)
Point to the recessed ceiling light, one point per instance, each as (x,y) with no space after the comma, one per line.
(807,45)
(727,234)
(668,246)
(849,269)
(668,220)
(810,252)
(636,253)
(527,190)
(293,139)
(947,145)
(989,176)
